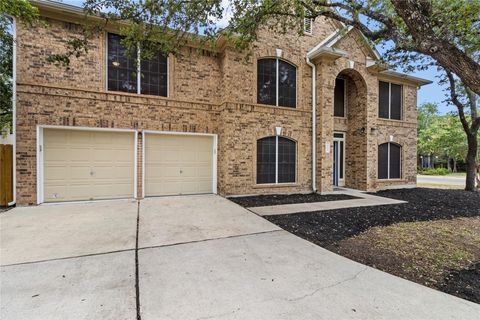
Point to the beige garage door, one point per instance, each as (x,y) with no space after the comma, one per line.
(87,165)
(178,164)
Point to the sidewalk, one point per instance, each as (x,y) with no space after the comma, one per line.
(365,201)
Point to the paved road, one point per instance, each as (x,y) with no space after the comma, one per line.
(454,181)
(190,258)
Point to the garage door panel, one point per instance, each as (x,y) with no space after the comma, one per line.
(178,164)
(85,165)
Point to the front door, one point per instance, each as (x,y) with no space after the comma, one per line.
(339,159)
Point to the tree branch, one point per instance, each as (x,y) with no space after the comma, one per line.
(457,103)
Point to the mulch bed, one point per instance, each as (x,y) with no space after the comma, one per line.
(326,228)
(329,228)
(464,283)
(277,199)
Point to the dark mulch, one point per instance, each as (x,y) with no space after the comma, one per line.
(4,209)
(464,283)
(276,199)
(326,228)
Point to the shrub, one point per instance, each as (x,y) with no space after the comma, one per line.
(435,172)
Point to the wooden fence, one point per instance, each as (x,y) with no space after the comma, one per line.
(6,174)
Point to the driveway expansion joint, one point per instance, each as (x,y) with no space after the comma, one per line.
(137,284)
(211,239)
(66,258)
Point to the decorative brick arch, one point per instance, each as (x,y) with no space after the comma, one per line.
(357,131)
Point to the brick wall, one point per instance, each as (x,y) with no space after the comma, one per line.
(214,92)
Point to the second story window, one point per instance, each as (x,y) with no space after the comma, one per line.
(276,83)
(122,69)
(389,100)
(340,98)
(123,74)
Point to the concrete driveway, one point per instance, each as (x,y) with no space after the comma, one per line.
(195,257)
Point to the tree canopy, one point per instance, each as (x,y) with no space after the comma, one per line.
(29,14)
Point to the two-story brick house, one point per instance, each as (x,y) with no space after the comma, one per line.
(219,121)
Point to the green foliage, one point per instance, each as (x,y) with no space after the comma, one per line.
(29,15)
(440,135)
(435,172)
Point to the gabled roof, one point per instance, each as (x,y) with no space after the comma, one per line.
(339,34)
(326,50)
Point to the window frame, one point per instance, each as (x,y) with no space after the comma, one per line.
(276,162)
(277,98)
(388,161)
(305,29)
(345,102)
(390,100)
(306,12)
(139,75)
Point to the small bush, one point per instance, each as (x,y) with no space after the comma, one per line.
(435,172)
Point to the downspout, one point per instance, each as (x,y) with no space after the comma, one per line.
(14,110)
(314,122)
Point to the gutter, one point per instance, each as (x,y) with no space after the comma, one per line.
(14,111)
(419,81)
(314,120)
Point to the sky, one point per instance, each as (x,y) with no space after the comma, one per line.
(428,93)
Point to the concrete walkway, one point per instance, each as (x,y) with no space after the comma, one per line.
(365,200)
(198,257)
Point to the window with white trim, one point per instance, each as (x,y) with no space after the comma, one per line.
(389,161)
(389,100)
(276,83)
(276,160)
(123,74)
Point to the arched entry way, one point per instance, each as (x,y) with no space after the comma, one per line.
(350,131)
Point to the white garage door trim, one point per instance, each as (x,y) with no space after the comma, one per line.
(214,153)
(40,167)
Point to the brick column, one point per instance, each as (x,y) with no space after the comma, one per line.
(325,94)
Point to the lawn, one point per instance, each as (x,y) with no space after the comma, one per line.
(434,239)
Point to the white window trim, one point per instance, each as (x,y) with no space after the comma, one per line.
(276,164)
(139,76)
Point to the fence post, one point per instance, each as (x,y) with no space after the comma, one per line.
(6,174)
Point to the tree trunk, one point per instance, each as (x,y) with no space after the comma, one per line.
(471,162)
(448,165)
(455,165)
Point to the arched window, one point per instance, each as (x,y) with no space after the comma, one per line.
(276,83)
(389,161)
(276,160)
